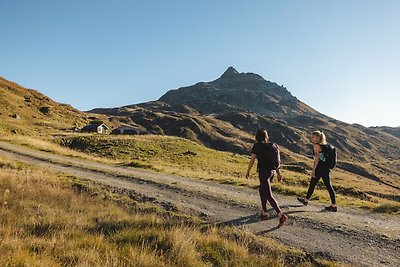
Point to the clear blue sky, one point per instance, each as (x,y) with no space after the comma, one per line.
(340,57)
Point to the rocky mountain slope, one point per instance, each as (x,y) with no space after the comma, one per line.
(225,113)
(246,101)
(239,92)
(395,131)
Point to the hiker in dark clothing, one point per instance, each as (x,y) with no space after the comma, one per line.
(320,169)
(267,155)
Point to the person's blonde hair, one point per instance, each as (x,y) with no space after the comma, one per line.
(322,137)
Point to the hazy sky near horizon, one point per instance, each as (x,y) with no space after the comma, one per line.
(340,57)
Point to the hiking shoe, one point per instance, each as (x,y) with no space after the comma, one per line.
(330,208)
(263,215)
(303,200)
(282,220)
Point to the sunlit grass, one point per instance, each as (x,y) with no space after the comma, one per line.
(48,221)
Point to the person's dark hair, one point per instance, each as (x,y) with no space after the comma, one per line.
(262,135)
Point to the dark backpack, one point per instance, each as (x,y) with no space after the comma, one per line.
(273,155)
(330,155)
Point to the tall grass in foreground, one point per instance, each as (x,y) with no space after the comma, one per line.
(47,219)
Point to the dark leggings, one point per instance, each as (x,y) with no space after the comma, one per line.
(327,182)
(266,192)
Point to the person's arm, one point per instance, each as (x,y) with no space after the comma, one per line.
(251,162)
(316,159)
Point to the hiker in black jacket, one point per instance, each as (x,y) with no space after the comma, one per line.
(321,168)
(268,159)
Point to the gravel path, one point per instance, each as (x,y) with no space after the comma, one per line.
(354,236)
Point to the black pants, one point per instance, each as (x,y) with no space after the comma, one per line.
(327,182)
(266,192)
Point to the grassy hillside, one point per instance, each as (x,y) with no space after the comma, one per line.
(48,219)
(27,112)
(163,119)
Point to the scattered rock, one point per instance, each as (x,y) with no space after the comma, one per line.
(189,153)
(15,116)
(45,110)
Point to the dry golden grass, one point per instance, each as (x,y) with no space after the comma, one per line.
(38,115)
(48,220)
(36,112)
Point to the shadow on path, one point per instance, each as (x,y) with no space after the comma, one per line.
(254,218)
(268,230)
(241,221)
(292,206)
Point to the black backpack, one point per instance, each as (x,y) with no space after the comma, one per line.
(273,154)
(330,155)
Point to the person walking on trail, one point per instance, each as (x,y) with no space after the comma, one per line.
(268,159)
(324,160)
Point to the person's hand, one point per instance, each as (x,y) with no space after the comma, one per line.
(247,175)
(312,174)
(279,177)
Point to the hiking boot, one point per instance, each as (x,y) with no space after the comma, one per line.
(331,208)
(303,200)
(263,215)
(282,220)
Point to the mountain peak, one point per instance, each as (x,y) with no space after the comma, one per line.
(230,72)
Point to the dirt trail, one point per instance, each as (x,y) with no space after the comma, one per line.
(354,236)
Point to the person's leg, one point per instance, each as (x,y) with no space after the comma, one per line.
(313,183)
(266,194)
(270,197)
(310,191)
(263,195)
(263,188)
(328,185)
(282,217)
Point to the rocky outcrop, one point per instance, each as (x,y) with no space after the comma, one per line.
(241,92)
